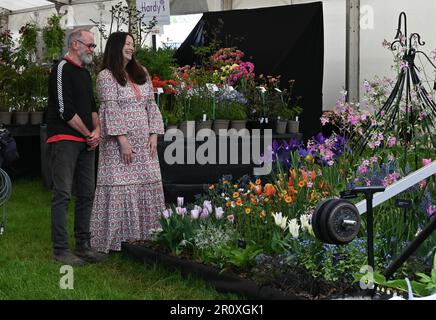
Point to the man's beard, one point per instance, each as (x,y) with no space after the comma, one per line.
(85,58)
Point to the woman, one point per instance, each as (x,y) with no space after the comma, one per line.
(129,195)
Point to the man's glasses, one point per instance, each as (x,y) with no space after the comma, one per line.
(90,46)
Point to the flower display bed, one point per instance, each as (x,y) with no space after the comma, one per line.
(222,282)
(294,286)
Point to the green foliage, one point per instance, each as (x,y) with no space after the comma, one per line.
(159,63)
(236,111)
(210,239)
(199,104)
(241,258)
(172,117)
(177,231)
(35,87)
(398,284)
(8,86)
(429,281)
(53,36)
(27,44)
(6,54)
(231,110)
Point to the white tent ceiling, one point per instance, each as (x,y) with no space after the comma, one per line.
(13,5)
(177,6)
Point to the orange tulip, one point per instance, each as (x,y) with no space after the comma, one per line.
(270,190)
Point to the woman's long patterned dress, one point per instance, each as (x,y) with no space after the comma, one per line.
(129,198)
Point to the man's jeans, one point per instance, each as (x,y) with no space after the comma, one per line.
(71,163)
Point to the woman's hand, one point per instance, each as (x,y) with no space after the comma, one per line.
(152,144)
(126,152)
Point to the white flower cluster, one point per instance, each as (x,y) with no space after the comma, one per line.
(210,236)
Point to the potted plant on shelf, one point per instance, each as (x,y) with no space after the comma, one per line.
(293,122)
(221,121)
(172,117)
(37,109)
(7,84)
(35,80)
(201,110)
(237,114)
(21,112)
(5,109)
(284,114)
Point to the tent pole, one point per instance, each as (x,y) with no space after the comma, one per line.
(352,81)
(226,5)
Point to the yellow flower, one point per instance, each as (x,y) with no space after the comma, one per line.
(235,194)
(211,187)
(228,204)
(262,214)
(266,199)
(247,210)
(288,199)
(258,181)
(313,196)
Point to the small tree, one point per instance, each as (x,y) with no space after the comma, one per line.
(130,17)
(53,36)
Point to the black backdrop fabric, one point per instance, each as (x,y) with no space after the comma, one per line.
(284,40)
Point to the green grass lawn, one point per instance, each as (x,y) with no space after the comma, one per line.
(27,270)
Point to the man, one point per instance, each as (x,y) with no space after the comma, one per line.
(73,131)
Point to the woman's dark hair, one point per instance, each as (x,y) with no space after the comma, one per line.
(113,60)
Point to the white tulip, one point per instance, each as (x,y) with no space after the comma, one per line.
(293,228)
(219,213)
(194,214)
(180,201)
